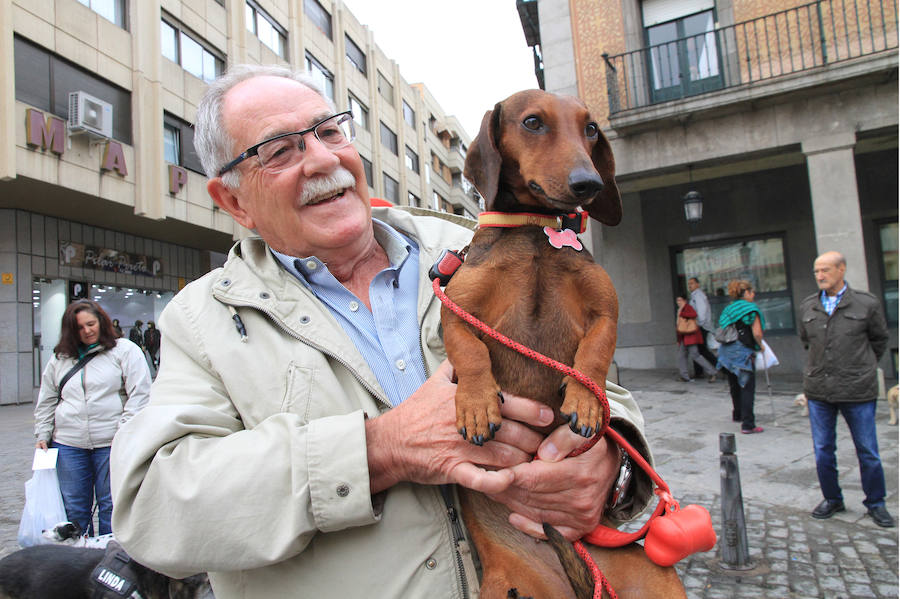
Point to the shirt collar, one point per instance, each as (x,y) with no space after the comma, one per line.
(837,298)
(396,245)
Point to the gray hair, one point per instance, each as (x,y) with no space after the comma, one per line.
(213,144)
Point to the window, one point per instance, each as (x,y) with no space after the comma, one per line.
(359,111)
(356,56)
(266,29)
(171,141)
(413,199)
(367,166)
(195,56)
(760,261)
(409,115)
(683,56)
(388,139)
(44,81)
(320,75)
(111,10)
(385,89)
(178,143)
(888,235)
(391,189)
(412,160)
(318,15)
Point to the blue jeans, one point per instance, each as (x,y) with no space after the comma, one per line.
(860,418)
(83,473)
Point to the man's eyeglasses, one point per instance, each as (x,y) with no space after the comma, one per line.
(285,150)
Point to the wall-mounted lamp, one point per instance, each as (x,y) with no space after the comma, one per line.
(693,207)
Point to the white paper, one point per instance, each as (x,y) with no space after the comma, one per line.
(44,459)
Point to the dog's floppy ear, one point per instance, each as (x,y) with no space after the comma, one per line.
(607,206)
(482,166)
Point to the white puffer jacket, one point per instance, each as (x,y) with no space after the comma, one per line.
(99,398)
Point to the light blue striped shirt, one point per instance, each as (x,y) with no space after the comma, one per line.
(388,336)
(831,302)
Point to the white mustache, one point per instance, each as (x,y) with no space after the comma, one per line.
(326,186)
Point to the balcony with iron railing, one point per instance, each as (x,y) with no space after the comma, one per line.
(791,42)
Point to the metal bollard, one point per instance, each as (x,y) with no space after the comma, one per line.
(735,552)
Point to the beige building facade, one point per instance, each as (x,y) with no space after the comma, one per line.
(101,193)
(781,115)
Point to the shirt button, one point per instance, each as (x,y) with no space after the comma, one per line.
(343,490)
(401,365)
(311,264)
(354,306)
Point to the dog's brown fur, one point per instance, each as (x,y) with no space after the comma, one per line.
(538,152)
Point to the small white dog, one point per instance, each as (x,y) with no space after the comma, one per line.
(69,533)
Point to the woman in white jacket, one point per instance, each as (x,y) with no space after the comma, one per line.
(111,385)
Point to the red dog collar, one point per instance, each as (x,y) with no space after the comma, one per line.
(576,221)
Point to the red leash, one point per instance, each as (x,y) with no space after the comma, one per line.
(666,549)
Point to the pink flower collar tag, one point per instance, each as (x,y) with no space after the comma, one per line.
(561,239)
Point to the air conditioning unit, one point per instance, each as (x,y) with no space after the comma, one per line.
(90,115)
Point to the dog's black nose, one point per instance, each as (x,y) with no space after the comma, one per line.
(584,183)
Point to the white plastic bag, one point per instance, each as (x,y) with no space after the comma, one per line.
(765,358)
(43,507)
(711,343)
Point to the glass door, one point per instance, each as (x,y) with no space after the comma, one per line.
(683,57)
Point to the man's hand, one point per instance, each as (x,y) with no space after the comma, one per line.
(568,493)
(417,441)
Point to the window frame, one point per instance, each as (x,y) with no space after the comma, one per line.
(350,47)
(311,61)
(42,93)
(395,198)
(363,120)
(320,17)
(282,33)
(717,303)
(121,6)
(187,154)
(205,47)
(367,168)
(387,90)
(409,115)
(886,284)
(393,146)
(412,160)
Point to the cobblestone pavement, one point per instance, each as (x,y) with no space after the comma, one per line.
(793,555)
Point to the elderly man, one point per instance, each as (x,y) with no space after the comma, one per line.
(845,332)
(303,419)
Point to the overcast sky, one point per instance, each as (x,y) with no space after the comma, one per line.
(468,53)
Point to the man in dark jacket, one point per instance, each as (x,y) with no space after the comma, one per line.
(846,334)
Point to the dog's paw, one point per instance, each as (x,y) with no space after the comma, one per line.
(580,408)
(477,414)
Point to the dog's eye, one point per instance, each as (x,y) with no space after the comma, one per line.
(591,130)
(532,122)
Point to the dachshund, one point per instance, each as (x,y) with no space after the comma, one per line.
(538,158)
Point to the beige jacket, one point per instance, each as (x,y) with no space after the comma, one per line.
(250,461)
(99,398)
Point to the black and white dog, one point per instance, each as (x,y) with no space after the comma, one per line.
(66,572)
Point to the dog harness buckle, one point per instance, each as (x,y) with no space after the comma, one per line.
(577,221)
(447,264)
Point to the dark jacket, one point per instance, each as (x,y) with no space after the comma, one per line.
(844,348)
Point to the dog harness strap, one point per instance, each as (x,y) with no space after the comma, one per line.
(114,577)
(577,221)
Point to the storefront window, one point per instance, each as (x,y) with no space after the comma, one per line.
(888,233)
(760,261)
(51,296)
